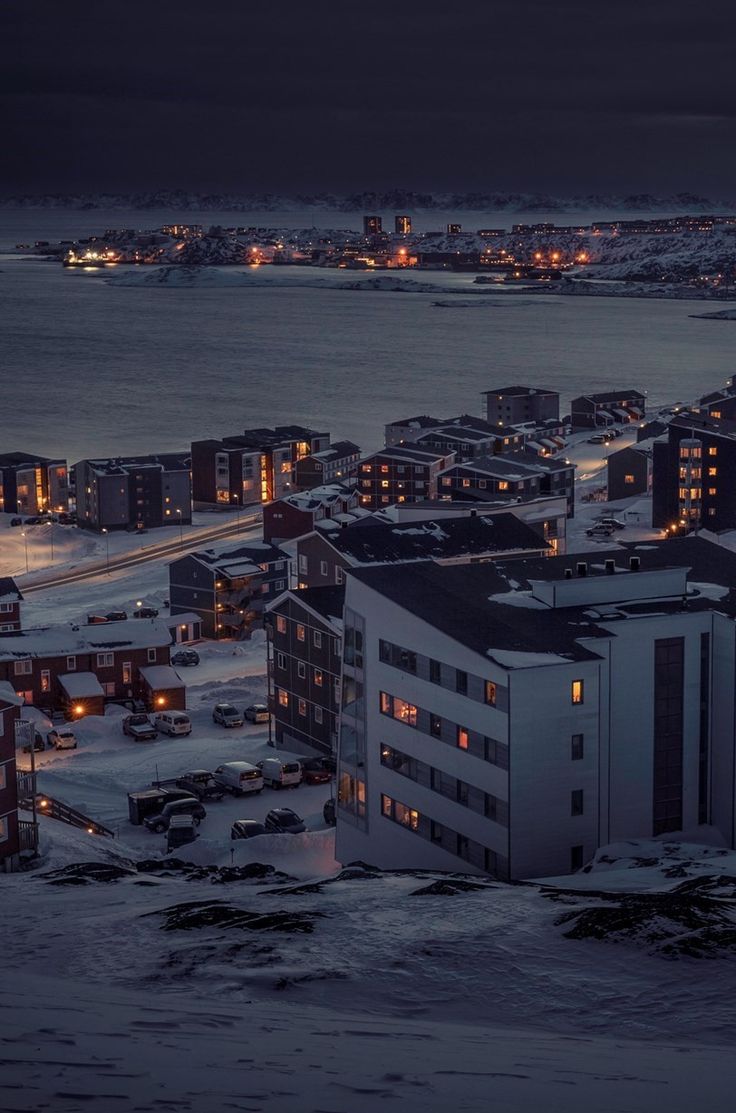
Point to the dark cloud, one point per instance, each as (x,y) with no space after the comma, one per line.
(508,94)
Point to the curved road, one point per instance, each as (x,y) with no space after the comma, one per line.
(152,552)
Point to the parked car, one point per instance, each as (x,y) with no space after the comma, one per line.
(202,784)
(63,738)
(239,777)
(116,616)
(145,612)
(33,521)
(16,521)
(173,722)
(185,657)
(315,773)
(612,523)
(599,531)
(66,519)
(38,744)
(617,432)
(139,727)
(257,713)
(182,830)
(150,801)
(609,435)
(159,821)
(246,829)
(328,812)
(597,438)
(284,821)
(280,774)
(226,715)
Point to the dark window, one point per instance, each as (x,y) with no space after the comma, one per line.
(576,858)
(576,801)
(461,682)
(435,672)
(576,748)
(435,725)
(668,734)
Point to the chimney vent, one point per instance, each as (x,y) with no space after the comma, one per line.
(581,568)
(634,563)
(473,513)
(610,567)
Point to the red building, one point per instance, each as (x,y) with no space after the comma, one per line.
(78,669)
(297,514)
(10,601)
(399,474)
(9,835)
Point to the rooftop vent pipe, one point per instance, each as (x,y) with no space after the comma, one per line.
(610,567)
(568,573)
(634,563)
(581,568)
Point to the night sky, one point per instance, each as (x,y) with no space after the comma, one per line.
(248,96)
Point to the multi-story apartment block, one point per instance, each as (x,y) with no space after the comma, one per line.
(721,403)
(31,484)
(10,705)
(694,474)
(521,476)
(228,589)
(518,405)
(323,557)
(134,492)
(591,411)
(304,630)
(402,225)
(77,669)
(470,438)
(255,466)
(629,471)
(300,513)
(401,474)
(10,601)
(331,465)
(409,428)
(510,719)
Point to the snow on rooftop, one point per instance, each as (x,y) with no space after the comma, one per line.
(161,676)
(9,695)
(79,685)
(138,633)
(516,659)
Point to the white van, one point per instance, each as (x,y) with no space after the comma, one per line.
(280,774)
(173,722)
(239,777)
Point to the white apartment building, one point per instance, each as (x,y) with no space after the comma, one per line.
(510,718)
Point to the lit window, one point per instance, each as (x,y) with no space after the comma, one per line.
(302,705)
(490,693)
(713,471)
(281,624)
(629,479)
(712,451)
(463,739)
(300,632)
(503,485)
(712,491)
(318,677)
(384,469)
(577,691)
(283,697)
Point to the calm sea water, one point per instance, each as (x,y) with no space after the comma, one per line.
(88,368)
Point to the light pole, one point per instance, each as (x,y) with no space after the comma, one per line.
(107,550)
(181,530)
(51,539)
(25,542)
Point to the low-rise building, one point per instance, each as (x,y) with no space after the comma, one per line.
(228,589)
(409,428)
(330,465)
(400,474)
(323,557)
(509,719)
(254,466)
(517,405)
(304,630)
(10,705)
(521,476)
(593,411)
(694,474)
(299,513)
(78,669)
(10,601)
(629,471)
(31,484)
(133,492)
(721,403)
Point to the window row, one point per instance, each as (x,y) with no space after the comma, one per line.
(318,676)
(104,661)
(452,734)
(452,788)
(445,837)
(436,672)
(302,705)
(301,633)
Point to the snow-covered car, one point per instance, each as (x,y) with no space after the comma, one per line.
(159,822)
(283,821)
(38,743)
(246,829)
(257,713)
(185,657)
(226,715)
(139,727)
(63,738)
(597,438)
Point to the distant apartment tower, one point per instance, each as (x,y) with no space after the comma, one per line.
(694,474)
(257,465)
(137,492)
(401,474)
(454,229)
(372,225)
(402,225)
(30,484)
(516,405)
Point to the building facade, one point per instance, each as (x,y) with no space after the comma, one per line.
(694,474)
(517,405)
(255,466)
(304,630)
(229,589)
(510,720)
(32,484)
(330,465)
(10,705)
(10,601)
(629,471)
(594,411)
(133,492)
(518,477)
(297,514)
(400,474)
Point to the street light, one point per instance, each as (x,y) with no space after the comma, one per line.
(181,530)
(25,542)
(107,546)
(51,539)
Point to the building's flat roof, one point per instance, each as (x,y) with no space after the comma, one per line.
(18,459)
(242,560)
(403,452)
